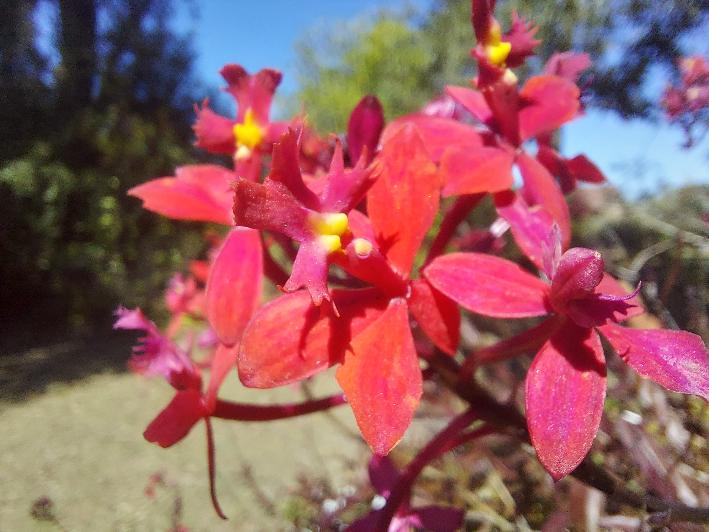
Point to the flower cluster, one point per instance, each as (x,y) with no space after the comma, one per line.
(688,102)
(344,228)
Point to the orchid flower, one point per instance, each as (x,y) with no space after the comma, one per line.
(566,384)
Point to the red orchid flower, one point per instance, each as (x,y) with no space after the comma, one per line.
(284,204)
(384,475)
(568,65)
(364,128)
(480,159)
(251,134)
(688,103)
(566,384)
(196,193)
(289,339)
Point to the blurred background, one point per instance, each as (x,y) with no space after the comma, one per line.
(97,96)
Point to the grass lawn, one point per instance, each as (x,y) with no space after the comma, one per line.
(79,443)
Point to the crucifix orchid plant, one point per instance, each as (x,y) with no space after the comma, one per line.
(357,235)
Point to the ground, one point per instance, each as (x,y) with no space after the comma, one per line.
(78,442)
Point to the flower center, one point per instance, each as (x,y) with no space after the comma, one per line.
(329,227)
(496,49)
(248,134)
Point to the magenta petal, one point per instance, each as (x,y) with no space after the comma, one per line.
(530,226)
(581,168)
(223,361)
(251,91)
(199,193)
(547,102)
(568,65)
(310,271)
(214,132)
(285,169)
(177,419)
(289,339)
(677,360)
(488,285)
(473,101)
(270,206)
(344,189)
(438,316)
(477,170)
(540,188)
(565,391)
(364,128)
(438,134)
(234,284)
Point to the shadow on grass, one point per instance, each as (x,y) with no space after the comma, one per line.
(25,371)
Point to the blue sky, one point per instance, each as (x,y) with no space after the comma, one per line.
(637,157)
(259,34)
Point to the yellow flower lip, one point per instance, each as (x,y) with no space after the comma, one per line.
(329,227)
(249,134)
(496,49)
(331,243)
(335,223)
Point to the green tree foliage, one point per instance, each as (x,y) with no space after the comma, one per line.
(386,58)
(115,112)
(408,58)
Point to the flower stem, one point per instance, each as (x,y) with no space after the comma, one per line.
(251,412)
(455,215)
(439,444)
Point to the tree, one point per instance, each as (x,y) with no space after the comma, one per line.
(119,108)
(628,39)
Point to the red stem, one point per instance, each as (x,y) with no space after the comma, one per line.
(527,341)
(433,449)
(211,465)
(456,214)
(468,436)
(250,412)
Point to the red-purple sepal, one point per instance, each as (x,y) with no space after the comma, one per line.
(567,65)
(569,171)
(437,133)
(437,315)
(522,41)
(565,391)
(197,192)
(290,339)
(472,101)
(530,226)
(546,103)
(234,284)
(251,91)
(176,419)
(477,170)
(344,188)
(404,200)
(382,379)
(540,188)
(677,360)
(214,133)
(488,285)
(364,128)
